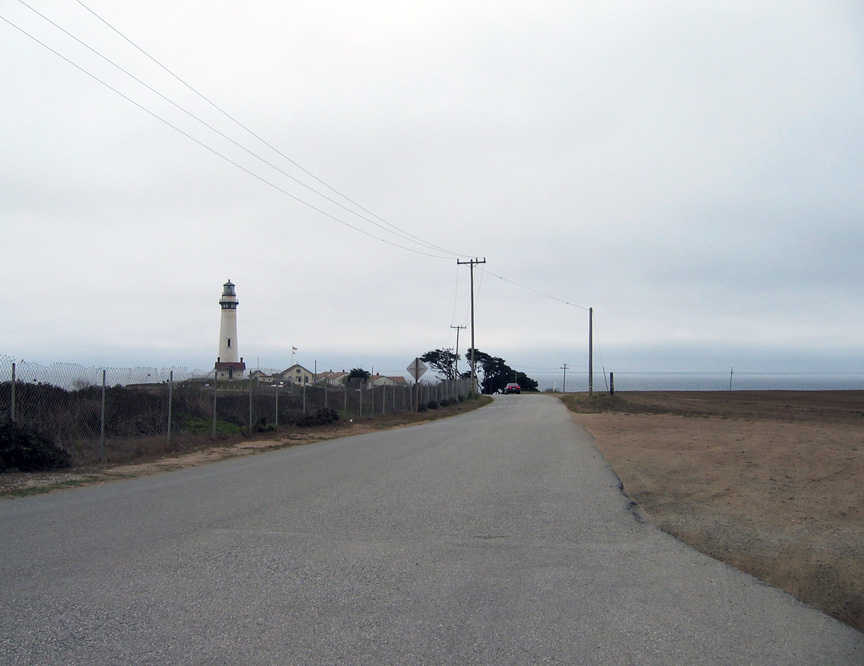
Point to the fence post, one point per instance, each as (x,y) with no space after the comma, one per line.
(170,395)
(277,404)
(249,430)
(215,380)
(102,424)
(13,393)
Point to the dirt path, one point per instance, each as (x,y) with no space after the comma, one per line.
(769,482)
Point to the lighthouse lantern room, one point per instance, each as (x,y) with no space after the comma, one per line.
(229,364)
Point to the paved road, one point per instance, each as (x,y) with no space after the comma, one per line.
(498,537)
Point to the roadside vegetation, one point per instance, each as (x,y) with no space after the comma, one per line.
(24,450)
(31,463)
(493,372)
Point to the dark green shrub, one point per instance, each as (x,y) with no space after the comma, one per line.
(229,428)
(432,404)
(319,417)
(198,426)
(25,450)
(444,403)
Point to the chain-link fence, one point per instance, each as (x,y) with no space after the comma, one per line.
(96,413)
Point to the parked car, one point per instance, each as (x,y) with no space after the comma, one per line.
(513,388)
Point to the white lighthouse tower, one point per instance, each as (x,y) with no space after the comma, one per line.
(229,364)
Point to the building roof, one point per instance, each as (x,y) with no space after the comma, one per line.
(295,367)
(240,365)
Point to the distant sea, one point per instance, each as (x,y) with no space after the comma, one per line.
(694,381)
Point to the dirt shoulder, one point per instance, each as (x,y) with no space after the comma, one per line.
(194,451)
(771,482)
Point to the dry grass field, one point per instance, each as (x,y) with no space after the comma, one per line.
(771,482)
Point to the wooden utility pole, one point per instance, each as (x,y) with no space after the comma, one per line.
(417,384)
(564,388)
(590,351)
(456,358)
(471,263)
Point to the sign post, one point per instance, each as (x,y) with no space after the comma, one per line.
(416,369)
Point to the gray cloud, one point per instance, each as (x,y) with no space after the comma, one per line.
(693,172)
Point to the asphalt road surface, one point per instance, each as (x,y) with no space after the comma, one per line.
(497,537)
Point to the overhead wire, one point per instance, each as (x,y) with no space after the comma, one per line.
(455,297)
(479,284)
(537,291)
(393,229)
(265,142)
(600,352)
(217,153)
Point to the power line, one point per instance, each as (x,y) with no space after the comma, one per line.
(217,153)
(455,295)
(404,235)
(271,146)
(537,291)
(394,229)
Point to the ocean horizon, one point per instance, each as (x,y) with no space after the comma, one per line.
(702,381)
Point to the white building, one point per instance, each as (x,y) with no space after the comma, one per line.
(381,380)
(297,375)
(261,376)
(333,378)
(229,363)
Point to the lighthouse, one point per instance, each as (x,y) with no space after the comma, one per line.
(229,365)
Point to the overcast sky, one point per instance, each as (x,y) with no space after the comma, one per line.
(694,171)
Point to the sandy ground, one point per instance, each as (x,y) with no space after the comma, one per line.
(771,482)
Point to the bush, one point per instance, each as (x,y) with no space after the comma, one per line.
(432,404)
(444,403)
(198,426)
(319,417)
(25,450)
